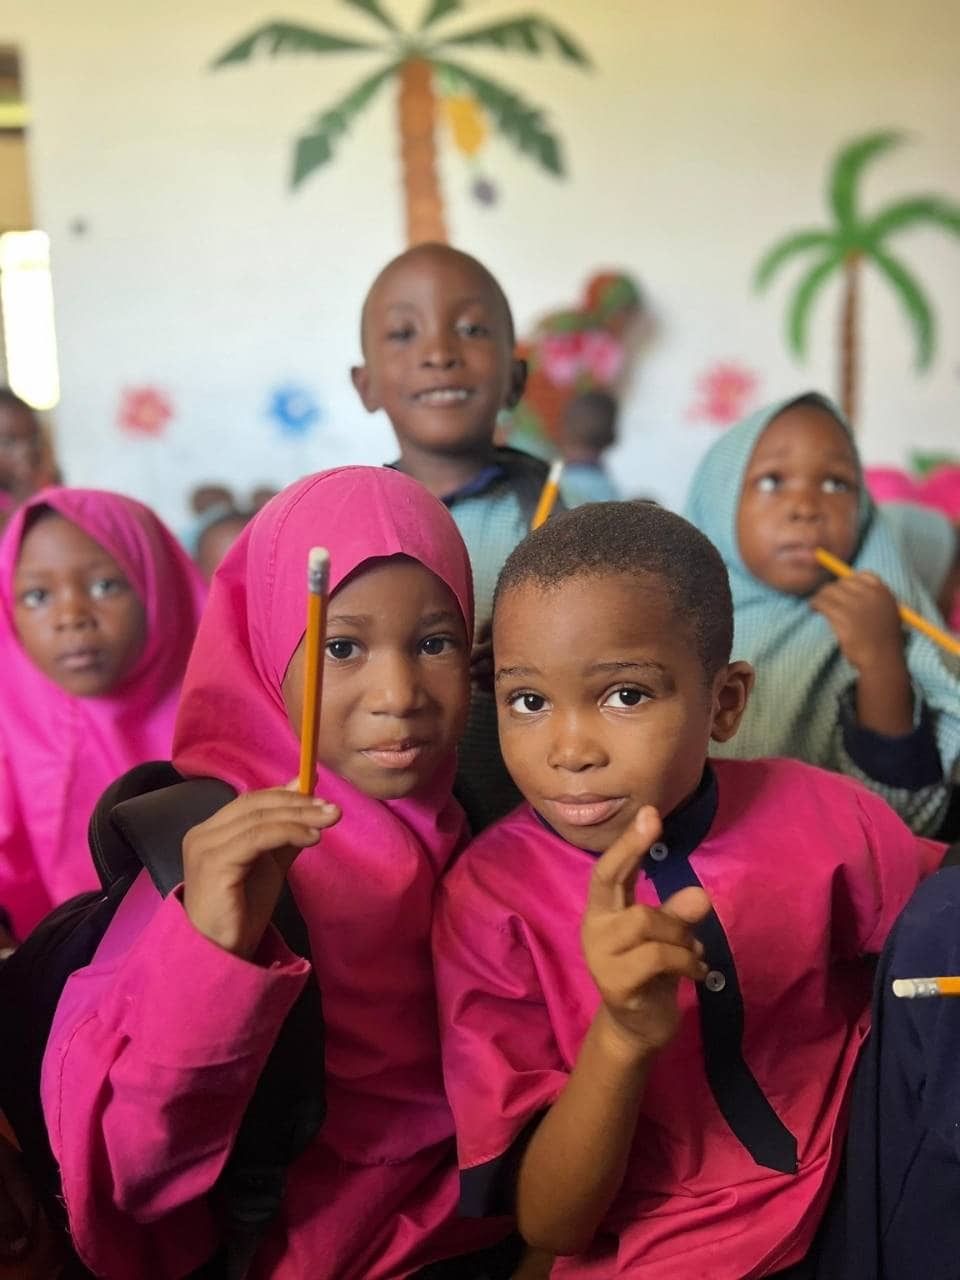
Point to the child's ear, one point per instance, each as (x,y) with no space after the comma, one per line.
(731,689)
(360,377)
(518,380)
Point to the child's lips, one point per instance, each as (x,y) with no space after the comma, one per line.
(442,397)
(80,660)
(799,552)
(395,755)
(585,810)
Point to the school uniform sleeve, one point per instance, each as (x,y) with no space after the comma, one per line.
(502,1067)
(152,1060)
(905,770)
(884,861)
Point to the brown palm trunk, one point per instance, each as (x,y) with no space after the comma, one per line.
(417,111)
(850,338)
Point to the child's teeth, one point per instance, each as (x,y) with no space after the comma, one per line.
(444,396)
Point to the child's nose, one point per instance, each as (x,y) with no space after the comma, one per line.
(805,504)
(574,748)
(395,688)
(441,353)
(72,610)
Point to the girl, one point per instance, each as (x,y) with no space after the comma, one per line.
(98,609)
(840,684)
(158,1044)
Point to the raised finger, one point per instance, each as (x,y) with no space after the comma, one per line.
(639,924)
(688,906)
(613,877)
(650,963)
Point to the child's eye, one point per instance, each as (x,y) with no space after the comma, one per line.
(526,704)
(342,650)
(624,697)
(836,484)
(400,333)
(768,483)
(433,646)
(473,329)
(103,588)
(33,598)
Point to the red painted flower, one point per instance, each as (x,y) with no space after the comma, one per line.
(144,411)
(724,393)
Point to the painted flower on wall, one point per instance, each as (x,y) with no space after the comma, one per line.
(294,409)
(144,411)
(724,394)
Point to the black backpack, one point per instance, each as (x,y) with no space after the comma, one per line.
(140,823)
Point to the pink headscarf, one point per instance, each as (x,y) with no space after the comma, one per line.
(366,891)
(59,751)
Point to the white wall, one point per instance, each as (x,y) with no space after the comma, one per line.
(702,135)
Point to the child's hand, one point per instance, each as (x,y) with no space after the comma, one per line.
(637,954)
(235,863)
(18,1206)
(481,659)
(864,617)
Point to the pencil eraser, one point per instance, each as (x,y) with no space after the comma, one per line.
(318,570)
(904,987)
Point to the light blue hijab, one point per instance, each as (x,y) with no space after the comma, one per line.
(801,673)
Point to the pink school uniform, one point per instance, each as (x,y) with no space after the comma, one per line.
(157,1045)
(741,1126)
(59,752)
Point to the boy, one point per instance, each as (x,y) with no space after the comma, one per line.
(26,460)
(438,348)
(587,430)
(653,1126)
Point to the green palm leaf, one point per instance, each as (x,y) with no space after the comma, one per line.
(914,303)
(907,213)
(783,250)
(845,176)
(375,11)
(517,120)
(439,9)
(287,37)
(803,299)
(315,148)
(529,35)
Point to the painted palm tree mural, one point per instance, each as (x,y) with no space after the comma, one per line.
(422,64)
(854,240)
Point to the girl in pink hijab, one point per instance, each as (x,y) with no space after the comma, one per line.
(157,1046)
(98,609)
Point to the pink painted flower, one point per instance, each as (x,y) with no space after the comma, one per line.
(561,355)
(603,354)
(144,411)
(724,393)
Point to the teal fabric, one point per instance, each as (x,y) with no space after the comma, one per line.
(801,674)
(586,482)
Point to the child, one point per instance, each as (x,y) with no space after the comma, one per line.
(216,532)
(660,1129)
(840,683)
(438,348)
(588,429)
(26,460)
(98,609)
(158,1044)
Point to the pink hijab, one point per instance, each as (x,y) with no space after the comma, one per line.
(366,892)
(59,751)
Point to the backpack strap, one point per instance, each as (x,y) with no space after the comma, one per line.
(288,1105)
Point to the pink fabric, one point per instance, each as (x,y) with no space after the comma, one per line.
(939,489)
(158,1044)
(890,484)
(58,751)
(806,871)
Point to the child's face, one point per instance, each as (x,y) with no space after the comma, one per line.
(78,618)
(395,679)
(603,702)
(801,491)
(216,541)
(20,450)
(438,353)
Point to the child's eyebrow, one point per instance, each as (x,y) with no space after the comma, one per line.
(438,616)
(511,673)
(349,619)
(89,566)
(625,664)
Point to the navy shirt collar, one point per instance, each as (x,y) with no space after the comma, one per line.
(476,485)
(683,829)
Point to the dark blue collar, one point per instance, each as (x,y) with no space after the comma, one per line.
(476,485)
(683,829)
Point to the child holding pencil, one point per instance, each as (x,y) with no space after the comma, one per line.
(841,682)
(438,345)
(652,978)
(158,1044)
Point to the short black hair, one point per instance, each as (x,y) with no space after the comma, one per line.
(590,419)
(637,539)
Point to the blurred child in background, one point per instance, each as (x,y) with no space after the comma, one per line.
(588,430)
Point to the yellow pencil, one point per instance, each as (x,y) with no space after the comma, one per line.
(318,585)
(911,988)
(548,495)
(911,618)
